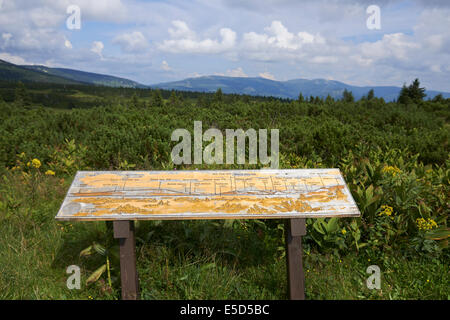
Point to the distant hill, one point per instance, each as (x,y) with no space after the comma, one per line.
(283,89)
(238,85)
(35,73)
(87,77)
(12,72)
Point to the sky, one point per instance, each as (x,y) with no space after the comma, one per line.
(159,41)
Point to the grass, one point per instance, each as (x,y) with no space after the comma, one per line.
(183,259)
(329,277)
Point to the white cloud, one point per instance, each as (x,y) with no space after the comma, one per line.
(12,58)
(435,68)
(105,10)
(267,75)
(131,42)
(31,28)
(238,72)
(282,38)
(435,41)
(255,41)
(97,47)
(165,66)
(195,75)
(45,17)
(68,44)
(361,61)
(306,37)
(278,43)
(324,59)
(396,45)
(185,40)
(6,37)
(181,30)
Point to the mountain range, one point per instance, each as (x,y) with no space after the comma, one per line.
(36,73)
(284,89)
(239,85)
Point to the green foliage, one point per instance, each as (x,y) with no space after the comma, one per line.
(173,100)
(347,96)
(156,100)
(111,256)
(218,96)
(68,158)
(394,158)
(326,233)
(21,95)
(439,98)
(329,99)
(135,100)
(412,94)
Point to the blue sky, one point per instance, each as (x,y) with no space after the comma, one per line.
(158,41)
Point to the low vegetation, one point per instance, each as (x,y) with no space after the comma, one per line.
(394,158)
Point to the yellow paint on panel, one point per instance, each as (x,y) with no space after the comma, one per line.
(212,193)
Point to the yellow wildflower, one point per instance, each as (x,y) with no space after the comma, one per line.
(50,173)
(392,170)
(386,211)
(344,231)
(425,225)
(36,163)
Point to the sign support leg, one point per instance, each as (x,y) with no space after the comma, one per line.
(294,230)
(124,231)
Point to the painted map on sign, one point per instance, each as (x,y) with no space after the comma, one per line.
(219,194)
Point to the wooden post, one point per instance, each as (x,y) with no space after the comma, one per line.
(124,231)
(294,230)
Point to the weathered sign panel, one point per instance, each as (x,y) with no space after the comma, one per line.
(202,194)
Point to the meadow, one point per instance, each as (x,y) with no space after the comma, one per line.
(393,156)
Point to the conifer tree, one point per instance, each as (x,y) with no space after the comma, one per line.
(411,94)
(134,100)
(416,93)
(329,99)
(157,100)
(438,98)
(21,94)
(347,96)
(218,96)
(403,96)
(173,99)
